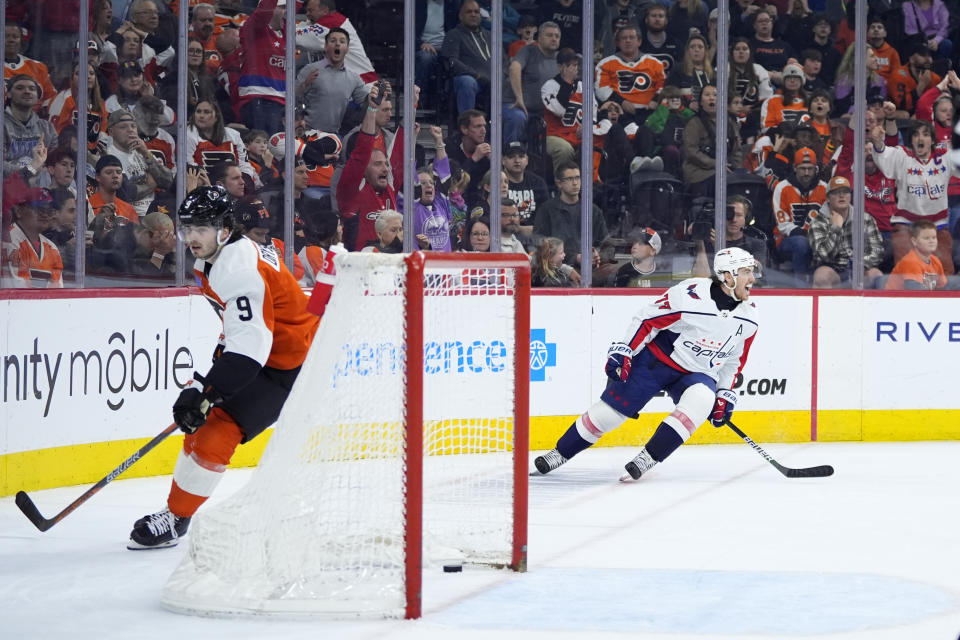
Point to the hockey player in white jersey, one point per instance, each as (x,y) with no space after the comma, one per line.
(690,342)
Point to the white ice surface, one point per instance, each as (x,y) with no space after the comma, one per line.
(713,544)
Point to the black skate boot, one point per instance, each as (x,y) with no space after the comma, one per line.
(642,463)
(157,531)
(548,461)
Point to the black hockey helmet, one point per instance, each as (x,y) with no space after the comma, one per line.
(207,206)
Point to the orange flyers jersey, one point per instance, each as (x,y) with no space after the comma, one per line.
(319,175)
(297,265)
(124,209)
(29,265)
(793,208)
(36,70)
(263,308)
(775,110)
(63,112)
(637,82)
(206,154)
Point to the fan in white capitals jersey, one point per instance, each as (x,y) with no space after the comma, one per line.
(690,342)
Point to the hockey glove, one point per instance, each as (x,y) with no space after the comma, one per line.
(619,358)
(192,406)
(723,407)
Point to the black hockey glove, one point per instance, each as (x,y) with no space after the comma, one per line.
(723,407)
(192,405)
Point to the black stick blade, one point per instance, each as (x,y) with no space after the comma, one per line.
(810,472)
(30,510)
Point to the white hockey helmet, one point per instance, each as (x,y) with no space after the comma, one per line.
(732,259)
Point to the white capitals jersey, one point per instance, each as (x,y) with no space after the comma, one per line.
(685,330)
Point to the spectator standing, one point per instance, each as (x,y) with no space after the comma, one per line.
(29,258)
(324,17)
(262,83)
(560,216)
(364,186)
(530,68)
(327,86)
(930,21)
(433,19)
(26,137)
(466,49)
(919,269)
(922,174)
(831,240)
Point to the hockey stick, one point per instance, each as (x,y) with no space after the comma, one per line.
(807,472)
(33,514)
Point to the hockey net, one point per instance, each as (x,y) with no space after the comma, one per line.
(403,444)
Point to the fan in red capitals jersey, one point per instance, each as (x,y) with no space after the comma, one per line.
(267,332)
(690,342)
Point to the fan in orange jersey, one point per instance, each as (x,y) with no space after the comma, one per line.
(788,104)
(14,63)
(63,107)
(267,332)
(630,78)
(29,258)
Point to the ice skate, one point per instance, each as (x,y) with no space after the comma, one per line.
(548,462)
(157,531)
(638,466)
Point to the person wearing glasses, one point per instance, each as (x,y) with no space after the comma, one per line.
(560,217)
(476,235)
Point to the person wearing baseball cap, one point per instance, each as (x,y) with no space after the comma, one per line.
(31,259)
(642,271)
(831,240)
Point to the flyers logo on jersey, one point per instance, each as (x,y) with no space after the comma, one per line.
(628,81)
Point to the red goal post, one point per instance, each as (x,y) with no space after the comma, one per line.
(404,444)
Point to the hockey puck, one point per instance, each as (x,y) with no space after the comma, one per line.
(452,568)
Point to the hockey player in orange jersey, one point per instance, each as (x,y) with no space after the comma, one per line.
(267,332)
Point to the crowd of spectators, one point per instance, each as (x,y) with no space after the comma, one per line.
(789,143)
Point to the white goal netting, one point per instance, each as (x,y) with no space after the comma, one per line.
(322,526)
